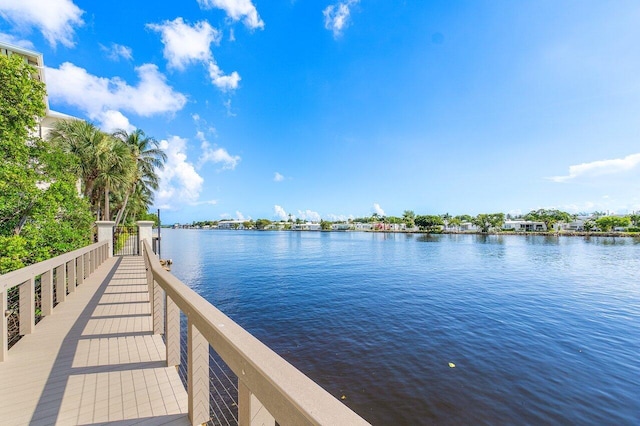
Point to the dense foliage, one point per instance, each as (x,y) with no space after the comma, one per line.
(41,215)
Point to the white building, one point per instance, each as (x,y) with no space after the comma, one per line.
(524,226)
(308,226)
(231,224)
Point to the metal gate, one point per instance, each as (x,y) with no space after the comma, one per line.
(125,241)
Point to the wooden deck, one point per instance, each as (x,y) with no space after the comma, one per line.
(95,360)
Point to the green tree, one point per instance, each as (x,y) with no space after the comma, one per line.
(549,217)
(262,223)
(409,218)
(455,222)
(88,145)
(325,225)
(148,158)
(21,103)
(116,171)
(429,223)
(41,215)
(486,222)
(607,223)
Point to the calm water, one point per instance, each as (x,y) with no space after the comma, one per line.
(541,330)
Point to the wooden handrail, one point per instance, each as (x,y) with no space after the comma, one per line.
(288,395)
(14,278)
(72,267)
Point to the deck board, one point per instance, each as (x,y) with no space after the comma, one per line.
(95,360)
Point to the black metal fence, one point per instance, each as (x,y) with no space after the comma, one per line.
(125,241)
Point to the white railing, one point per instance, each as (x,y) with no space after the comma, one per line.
(70,270)
(265,380)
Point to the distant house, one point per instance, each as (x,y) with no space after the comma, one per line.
(341,227)
(231,224)
(308,226)
(363,226)
(468,227)
(524,226)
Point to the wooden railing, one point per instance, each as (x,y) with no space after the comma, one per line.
(265,379)
(70,271)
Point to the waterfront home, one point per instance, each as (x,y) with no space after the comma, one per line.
(341,227)
(468,227)
(524,225)
(231,224)
(308,226)
(363,226)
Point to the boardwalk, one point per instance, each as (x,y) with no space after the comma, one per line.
(95,360)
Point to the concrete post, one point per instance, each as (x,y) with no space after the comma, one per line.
(105,233)
(145,232)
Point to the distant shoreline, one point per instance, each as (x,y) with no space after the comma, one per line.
(517,233)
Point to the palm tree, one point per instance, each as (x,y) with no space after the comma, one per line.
(148,157)
(84,141)
(116,170)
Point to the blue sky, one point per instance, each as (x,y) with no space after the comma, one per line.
(342,108)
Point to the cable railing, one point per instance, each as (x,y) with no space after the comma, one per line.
(31,293)
(231,377)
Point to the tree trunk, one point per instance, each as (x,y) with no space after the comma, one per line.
(106,202)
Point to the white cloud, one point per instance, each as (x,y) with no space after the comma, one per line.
(277,177)
(114,120)
(600,168)
(236,10)
(280,213)
(339,217)
(96,96)
(115,52)
(240,216)
(180,183)
(55,19)
(221,81)
(185,44)
(337,16)
(309,215)
(216,155)
(227,105)
(377,209)
(16,41)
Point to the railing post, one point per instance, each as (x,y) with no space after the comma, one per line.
(158,309)
(61,281)
(71,275)
(198,375)
(27,307)
(80,269)
(87,264)
(172,331)
(4,329)
(250,409)
(46,299)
